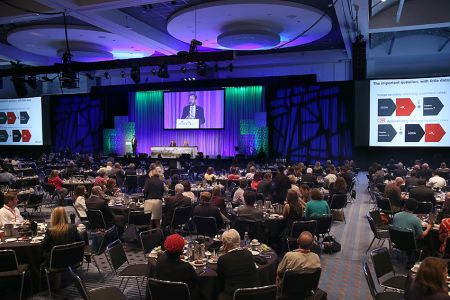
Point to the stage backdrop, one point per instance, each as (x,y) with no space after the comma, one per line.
(241,103)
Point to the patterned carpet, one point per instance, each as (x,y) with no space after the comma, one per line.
(342,276)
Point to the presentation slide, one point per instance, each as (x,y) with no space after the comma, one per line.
(194,109)
(410,112)
(21,122)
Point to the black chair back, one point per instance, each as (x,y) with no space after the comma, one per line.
(268,292)
(79,284)
(205,226)
(116,254)
(372,225)
(163,290)
(8,260)
(381,261)
(109,236)
(131,182)
(255,230)
(323,223)
(139,218)
(35,200)
(424,208)
(70,255)
(376,217)
(369,279)
(384,204)
(49,188)
(338,201)
(95,218)
(309,283)
(181,216)
(299,226)
(151,239)
(403,238)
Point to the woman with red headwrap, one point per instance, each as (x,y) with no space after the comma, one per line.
(170,267)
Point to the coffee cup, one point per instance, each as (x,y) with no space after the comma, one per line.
(9,229)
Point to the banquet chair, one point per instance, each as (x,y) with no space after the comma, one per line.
(140,219)
(405,240)
(323,224)
(378,233)
(386,295)
(131,183)
(424,208)
(9,267)
(101,293)
(106,237)
(255,230)
(205,226)
(297,228)
(62,257)
(150,239)
(377,219)
(291,289)
(162,290)
(35,202)
(268,292)
(95,218)
(181,216)
(338,202)
(384,205)
(117,258)
(51,197)
(382,265)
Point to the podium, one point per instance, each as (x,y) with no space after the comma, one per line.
(188,124)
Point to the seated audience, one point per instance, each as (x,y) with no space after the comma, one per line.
(101,178)
(305,193)
(58,183)
(316,206)
(71,169)
(265,186)
(330,177)
(111,188)
(348,175)
(378,176)
(412,180)
(251,173)
(256,180)
(400,171)
(425,172)
(339,187)
(205,209)
(444,233)
(299,259)
(430,282)
(170,267)
(79,202)
(9,213)
(408,220)
(217,199)
(436,181)
(6,177)
(234,174)
(172,202)
(238,197)
(130,169)
(281,185)
(187,191)
(60,231)
(293,209)
(309,176)
(393,192)
(422,193)
(97,202)
(236,268)
(118,173)
(209,175)
(317,169)
(294,186)
(248,212)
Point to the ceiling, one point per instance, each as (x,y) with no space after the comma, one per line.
(32,31)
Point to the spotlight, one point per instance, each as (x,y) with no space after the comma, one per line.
(201,68)
(106,74)
(32,82)
(122,74)
(69,79)
(163,72)
(153,71)
(193,46)
(183,70)
(135,74)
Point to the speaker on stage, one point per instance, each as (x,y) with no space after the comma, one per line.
(359,59)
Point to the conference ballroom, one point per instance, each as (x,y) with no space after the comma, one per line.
(224,150)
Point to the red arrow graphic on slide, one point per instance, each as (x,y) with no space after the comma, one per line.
(11,118)
(26,135)
(433,132)
(404,107)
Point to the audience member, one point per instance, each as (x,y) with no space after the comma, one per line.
(248,212)
(317,206)
(294,185)
(236,268)
(422,193)
(251,173)
(101,178)
(97,202)
(205,209)
(187,191)
(209,175)
(299,259)
(111,188)
(58,183)
(6,177)
(393,192)
(238,197)
(281,185)
(79,202)
(436,181)
(309,176)
(153,194)
(400,171)
(425,172)
(172,202)
(217,199)
(265,186)
(234,174)
(430,282)
(317,169)
(9,213)
(338,187)
(305,194)
(256,180)
(408,220)
(330,177)
(293,209)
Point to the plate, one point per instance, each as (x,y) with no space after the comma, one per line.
(10,240)
(212,261)
(254,253)
(35,241)
(198,264)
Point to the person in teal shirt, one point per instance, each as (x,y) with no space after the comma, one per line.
(408,220)
(316,206)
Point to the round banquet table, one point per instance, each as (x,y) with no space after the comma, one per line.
(208,285)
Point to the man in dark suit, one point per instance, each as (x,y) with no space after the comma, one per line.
(400,171)
(421,193)
(193,111)
(265,186)
(134,144)
(172,202)
(309,176)
(205,209)
(97,202)
(281,184)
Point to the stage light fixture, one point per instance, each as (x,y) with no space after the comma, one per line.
(163,71)
(122,74)
(32,82)
(153,71)
(183,69)
(135,74)
(193,46)
(201,68)
(106,74)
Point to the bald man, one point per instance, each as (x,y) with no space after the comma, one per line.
(393,192)
(299,259)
